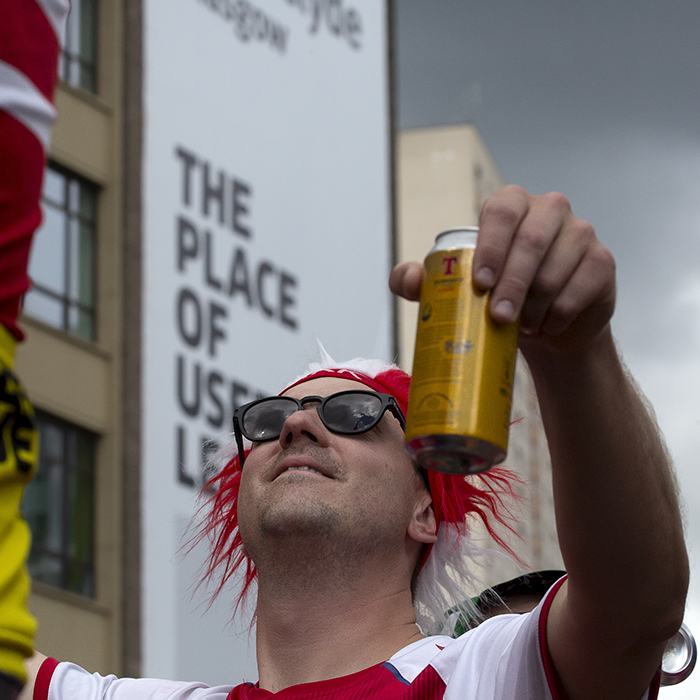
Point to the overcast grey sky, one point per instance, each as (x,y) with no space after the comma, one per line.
(598,100)
(601,101)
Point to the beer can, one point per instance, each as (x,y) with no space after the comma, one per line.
(463,367)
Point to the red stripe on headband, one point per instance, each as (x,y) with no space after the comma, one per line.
(384,387)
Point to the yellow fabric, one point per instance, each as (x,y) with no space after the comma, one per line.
(19,447)
(7,348)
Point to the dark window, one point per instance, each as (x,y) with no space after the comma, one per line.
(59,505)
(78,61)
(62,262)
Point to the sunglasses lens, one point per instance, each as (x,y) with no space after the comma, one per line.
(352,413)
(264,420)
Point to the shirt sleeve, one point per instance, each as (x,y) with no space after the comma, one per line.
(499,660)
(66,681)
(505,658)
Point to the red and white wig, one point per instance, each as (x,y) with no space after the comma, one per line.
(446,578)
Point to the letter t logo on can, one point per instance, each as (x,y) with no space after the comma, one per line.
(448,264)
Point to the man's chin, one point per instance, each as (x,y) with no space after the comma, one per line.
(301,516)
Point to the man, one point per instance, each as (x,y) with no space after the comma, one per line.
(334,523)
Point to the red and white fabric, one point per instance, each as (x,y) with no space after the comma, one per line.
(504,658)
(31,34)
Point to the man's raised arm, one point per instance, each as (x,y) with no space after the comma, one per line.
(617,513)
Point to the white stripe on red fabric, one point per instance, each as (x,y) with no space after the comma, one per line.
(21,98)
(56,12)
(29,43)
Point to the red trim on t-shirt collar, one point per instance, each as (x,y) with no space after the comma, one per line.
(43,679)
(314,689)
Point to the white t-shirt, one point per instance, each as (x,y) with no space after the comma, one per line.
(504,658)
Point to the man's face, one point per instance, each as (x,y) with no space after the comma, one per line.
(313,486)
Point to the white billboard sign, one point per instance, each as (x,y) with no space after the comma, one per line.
(266,224)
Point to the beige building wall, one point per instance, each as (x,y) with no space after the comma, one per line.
(444,174)
(81,381)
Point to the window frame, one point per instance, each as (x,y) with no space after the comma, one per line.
(69,469)
(70,62)
(72,221)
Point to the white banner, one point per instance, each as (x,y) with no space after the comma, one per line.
(266,223)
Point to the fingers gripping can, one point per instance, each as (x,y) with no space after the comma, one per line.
(463,367)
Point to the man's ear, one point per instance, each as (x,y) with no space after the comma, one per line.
(423,526)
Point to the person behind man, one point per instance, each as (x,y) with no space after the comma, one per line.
(31,35)
(334,523)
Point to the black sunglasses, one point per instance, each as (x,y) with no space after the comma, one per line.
(346,413)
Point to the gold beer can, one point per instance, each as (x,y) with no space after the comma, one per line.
(463,367)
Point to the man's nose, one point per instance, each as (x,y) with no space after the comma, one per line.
(304,424)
